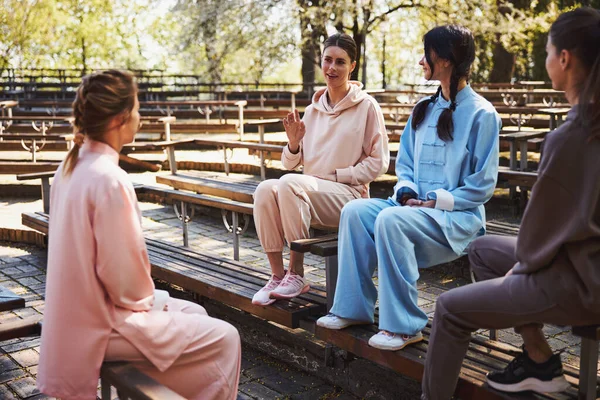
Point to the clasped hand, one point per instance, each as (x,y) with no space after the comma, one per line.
(420,203)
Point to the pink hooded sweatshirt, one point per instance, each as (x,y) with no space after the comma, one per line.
(348,140)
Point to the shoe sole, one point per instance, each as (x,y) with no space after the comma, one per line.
(396,348)
(558,384)
(337,327)
(290,296)
(257,303)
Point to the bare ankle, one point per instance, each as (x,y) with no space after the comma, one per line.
(538,355)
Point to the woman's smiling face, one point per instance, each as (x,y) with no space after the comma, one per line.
(336,66)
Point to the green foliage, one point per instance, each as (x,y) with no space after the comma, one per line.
(233,40)
(265,40)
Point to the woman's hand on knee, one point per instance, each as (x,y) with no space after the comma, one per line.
(420,203)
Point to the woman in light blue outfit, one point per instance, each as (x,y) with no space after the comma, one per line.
(447,169)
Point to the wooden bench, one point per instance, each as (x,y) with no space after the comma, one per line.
(482,356)
(233,284)
(26,167)
(520,140)
(326,246)
(355,340)
(228,281)
(184,200)
(129,382)
(9,300)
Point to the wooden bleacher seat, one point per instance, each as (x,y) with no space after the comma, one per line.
(129,382)
(234,283)
(223,186)
(227,281)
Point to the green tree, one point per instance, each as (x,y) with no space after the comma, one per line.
(25,32)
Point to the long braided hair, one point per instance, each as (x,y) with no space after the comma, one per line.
(455,44)
(100,97)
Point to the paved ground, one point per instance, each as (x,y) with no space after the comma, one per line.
(22,269)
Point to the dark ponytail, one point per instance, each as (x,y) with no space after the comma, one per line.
(578,31)
(455,44)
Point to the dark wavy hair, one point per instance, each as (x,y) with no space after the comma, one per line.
(578,31)
(344,42)
(455,44)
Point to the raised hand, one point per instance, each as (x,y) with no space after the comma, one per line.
(294,129)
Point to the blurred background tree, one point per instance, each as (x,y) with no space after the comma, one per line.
(272,40)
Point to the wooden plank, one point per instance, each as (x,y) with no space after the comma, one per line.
(35,221)
(239,299)
(304,245)
(36,175)
(143,165)
(30,326)
(172,196)
(230,267)
(16,167)
(589,332)
(9,300)
(132,383)
(206,186)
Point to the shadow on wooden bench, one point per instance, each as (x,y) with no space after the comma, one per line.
(227,281)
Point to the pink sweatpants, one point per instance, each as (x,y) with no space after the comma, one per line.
(209,368)
(286,208)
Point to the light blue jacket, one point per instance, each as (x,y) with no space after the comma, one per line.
(460,174)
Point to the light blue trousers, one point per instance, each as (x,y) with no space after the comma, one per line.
(399,240)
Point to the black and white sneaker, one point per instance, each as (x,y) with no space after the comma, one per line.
(523,374)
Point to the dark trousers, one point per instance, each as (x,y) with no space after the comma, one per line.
(497,302)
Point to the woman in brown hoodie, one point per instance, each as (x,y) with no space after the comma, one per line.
(342,144)
(550,273)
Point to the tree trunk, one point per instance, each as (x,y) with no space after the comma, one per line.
(504,64)
(358,36)
(311,30)
(83,56)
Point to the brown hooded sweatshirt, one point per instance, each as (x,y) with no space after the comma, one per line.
(559,239)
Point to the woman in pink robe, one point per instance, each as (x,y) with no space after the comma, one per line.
(100,297)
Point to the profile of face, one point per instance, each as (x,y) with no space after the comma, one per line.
(440,71)
(128,130)
(556,63)
(336,66)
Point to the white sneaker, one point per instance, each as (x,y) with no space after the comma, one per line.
(261,298)
(393,341)
(291,285)
(332,321)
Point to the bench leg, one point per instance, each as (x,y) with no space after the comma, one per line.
(523,155)
(172,162)
(46,194)
(513,157)
(588,369)
(331,274)
(236,238)
(185,218)
(184,223)
(105,388)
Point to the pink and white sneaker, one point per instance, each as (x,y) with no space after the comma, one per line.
(291,285)
(262,298)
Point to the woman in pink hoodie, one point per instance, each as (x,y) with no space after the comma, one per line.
(100,298)
(342,144)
